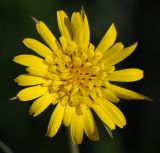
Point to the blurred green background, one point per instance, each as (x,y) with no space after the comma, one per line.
(136,20)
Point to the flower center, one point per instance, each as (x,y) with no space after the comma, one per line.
(80,75)
(77,75)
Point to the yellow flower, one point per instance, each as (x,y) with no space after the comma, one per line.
(76,77)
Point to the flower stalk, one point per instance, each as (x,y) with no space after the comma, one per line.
(74,148)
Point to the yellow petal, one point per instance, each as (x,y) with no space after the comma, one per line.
(87,65)
(86,36)
(64,100)
(48,37)
(28,60)
(95,135)
(104,117)
(88,121)
(97,57)
(77,62)
(84,57)
(40,104)
(90,125)
(38,47)
(126,75)
(31,93)
(37,71)
(68,115)
(55,120)
(91,53)
(110,54)
(126,94)
(28,80)
(87,100)
(64,25)
(108,39)
(110,95)
(123,54)
(55,98)
(63,43)
(77,128)
(94,69)
(77,24)
(114,113)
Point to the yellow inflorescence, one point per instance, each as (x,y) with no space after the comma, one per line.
(75,76)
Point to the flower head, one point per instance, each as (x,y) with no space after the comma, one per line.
(76,77)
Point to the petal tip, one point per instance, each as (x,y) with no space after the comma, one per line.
(25,40)
(148,99)
(35,114)
(15,80)
(30,112)
(135,44)
(113,26)
(19,97)
(15,59)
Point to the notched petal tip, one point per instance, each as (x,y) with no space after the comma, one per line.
(35,19)
(34,114)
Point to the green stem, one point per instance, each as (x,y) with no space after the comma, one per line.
(5,148)
(73,147)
